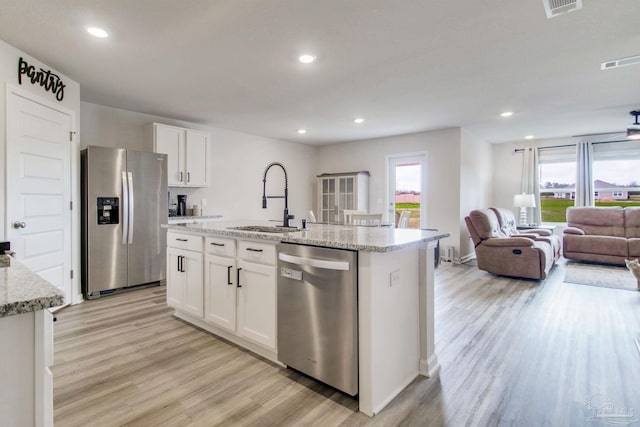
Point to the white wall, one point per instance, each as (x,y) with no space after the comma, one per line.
(9,57)
(443,176)
(238,161)
(476,179)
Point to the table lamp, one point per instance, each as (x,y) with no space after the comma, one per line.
(524,201)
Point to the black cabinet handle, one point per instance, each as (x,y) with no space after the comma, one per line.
(188,176)
(180,176)
(217,244)
(229,275)
(254,250)
(182,240)
(178,258)
(238,278)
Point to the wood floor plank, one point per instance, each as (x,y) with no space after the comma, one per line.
(513,352)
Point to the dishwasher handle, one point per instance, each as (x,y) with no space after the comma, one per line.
(313,262)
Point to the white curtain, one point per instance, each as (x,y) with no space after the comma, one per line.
(584,180)
(530,183)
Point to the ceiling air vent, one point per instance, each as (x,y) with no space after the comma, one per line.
(620,62)
(557,7)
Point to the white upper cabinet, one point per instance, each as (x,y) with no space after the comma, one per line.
(187,151)
(196,157)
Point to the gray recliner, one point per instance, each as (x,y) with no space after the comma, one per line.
(525,255)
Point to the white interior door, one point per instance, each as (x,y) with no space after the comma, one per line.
(39,188)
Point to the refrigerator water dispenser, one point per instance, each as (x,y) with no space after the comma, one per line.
(108,210)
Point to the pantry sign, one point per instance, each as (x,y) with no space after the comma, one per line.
(49,81)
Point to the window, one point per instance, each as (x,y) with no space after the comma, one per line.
(557,169)
(616,179)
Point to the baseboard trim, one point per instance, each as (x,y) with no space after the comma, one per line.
(429,367)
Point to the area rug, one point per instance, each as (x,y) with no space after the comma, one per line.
(606,276)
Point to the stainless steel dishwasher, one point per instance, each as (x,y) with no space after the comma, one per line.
(318,313)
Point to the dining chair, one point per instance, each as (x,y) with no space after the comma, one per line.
(403,222)
(349,213)
(366,219)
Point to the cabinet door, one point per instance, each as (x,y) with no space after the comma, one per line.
(346,185)
(194,289)
(220,291)
(257,303)
(197,158)
(184,281)
(169,140)
(175,279)
(328,203)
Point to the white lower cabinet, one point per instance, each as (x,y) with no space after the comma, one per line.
(220,291)
(257,303)
(184,274)
(237,288)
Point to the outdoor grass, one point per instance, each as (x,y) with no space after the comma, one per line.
(400,206)
(554,210)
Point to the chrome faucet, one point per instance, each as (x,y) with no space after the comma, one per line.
(286,217)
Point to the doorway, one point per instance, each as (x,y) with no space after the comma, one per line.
(407,183)
(39,187)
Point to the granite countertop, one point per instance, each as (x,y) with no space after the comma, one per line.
(185,218)
(370,239)
(23,291)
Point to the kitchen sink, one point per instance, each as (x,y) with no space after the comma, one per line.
(265,228)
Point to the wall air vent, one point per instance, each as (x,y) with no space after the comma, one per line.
(620,62)
(554,8)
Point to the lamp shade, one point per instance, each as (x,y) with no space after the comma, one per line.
(524,201)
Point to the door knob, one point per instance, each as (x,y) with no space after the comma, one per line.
(19,224)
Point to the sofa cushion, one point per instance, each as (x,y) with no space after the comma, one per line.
(632,222)
(634,248)
(486,224)
(601,245)
(598,221)
(506,221)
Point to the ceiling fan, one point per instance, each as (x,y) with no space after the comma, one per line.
(633,130)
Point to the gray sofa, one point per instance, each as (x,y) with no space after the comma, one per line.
(528,255)
(602,234)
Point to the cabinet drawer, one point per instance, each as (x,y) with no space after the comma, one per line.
(262,253)
(184,241)
(220,246)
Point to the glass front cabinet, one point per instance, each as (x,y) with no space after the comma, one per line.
(340,191)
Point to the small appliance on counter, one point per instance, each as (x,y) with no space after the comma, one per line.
(5,254)
(182,205)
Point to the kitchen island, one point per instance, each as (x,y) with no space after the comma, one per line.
(395,293)
(26,351)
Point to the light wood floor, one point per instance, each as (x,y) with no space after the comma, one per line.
(513,352)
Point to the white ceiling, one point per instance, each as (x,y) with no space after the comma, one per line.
(405,66)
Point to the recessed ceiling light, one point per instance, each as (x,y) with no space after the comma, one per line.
(358,120)
(507,114)
(306,58)
(302,131)
(97,32)
(528,137)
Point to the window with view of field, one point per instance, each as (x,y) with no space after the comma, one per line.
(615,173)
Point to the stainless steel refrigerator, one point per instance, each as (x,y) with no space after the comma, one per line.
(124,202)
